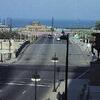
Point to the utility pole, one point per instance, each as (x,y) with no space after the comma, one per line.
(9,23)
(52,28)
(1,52)
(66,37)
(10,48)
(35,89)
(66,69)
(35,78)
(54,60)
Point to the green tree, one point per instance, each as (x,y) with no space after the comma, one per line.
(9,35)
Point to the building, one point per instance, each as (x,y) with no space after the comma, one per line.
(36,28)
(3,28)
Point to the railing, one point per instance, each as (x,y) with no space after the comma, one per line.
(21,47)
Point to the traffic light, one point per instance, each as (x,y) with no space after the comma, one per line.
(96,41)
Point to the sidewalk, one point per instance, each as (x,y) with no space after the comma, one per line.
(94,93)
(53,95)
(75,87)
(84,46)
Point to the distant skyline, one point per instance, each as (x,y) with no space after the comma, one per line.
(46,9)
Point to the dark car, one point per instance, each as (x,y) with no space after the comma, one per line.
(50,36)
(63,37)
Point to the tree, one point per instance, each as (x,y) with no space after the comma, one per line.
(9,35)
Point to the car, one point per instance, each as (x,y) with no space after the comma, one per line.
(63,37)
(58,39)
(50,36)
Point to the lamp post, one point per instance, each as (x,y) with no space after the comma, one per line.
(35,78)
(55,60)
(66,37)
(58,70)
(52,28)
(10,44)
(1,52)
(66,70)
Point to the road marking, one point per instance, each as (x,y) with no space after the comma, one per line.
(39,85)
(23,84)
(24,92)
(82,74)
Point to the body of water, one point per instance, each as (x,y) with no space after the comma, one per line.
(57,23)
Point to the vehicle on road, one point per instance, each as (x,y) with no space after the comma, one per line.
(50,36)
(58,39)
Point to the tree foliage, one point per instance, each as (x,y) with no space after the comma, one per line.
(9,35)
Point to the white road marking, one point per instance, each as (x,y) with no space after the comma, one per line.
(24,92)
(82,74)
(31,84)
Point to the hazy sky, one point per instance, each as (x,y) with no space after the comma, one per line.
(45,9)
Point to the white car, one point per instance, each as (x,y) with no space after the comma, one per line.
(58,39)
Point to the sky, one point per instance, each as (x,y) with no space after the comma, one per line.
(46,9)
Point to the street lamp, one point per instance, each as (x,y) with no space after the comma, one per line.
(10,44)
(52,28)
(1,52)
(58,70)
(66,37)
(54,60)
(35,78)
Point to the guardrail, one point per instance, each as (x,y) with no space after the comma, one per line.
(21,47)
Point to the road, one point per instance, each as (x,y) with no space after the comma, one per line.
(16,81)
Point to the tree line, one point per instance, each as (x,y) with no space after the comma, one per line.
(12,35)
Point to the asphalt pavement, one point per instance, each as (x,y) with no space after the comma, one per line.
(16,83)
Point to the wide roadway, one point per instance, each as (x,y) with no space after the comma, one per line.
(16,81)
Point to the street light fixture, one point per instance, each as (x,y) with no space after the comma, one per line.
(35,78)
(54,60)
(66,37)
